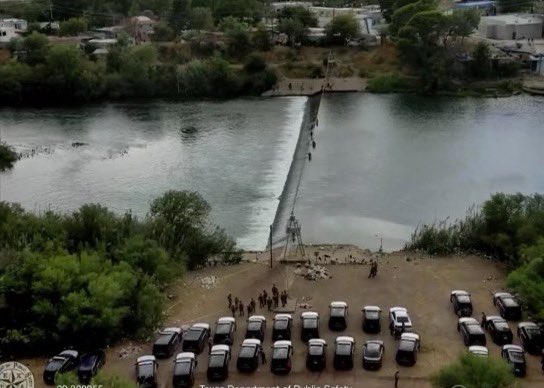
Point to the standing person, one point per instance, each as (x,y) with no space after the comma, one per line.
(263,356)
(233,310)
(313,144)
(269,303)
(229,298)
(403,328)
(276,301)
(236,301)
(241,308)
(249,309)
(210,344)
(484,318)
(253,305)
(371,270)
(375,269)
(265,297)
(274,290)
(397,379)
(260,297)
(542,361)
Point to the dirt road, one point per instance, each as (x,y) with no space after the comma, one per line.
(421,284)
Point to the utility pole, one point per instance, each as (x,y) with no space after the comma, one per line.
(270,245)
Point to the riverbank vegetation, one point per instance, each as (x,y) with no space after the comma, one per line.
(93,277)
(7,157)
(508,227)
(473,372)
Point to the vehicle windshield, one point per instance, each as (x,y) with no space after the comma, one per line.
(55,364)
(280,352)
(534,333)
(216,360)
(372,315)
(309,323)
(222,328)
(337,311)
(247,352)
(254,326)
(510,302)
(464,299)
(502,325)
(372,350)
(315,350)
(402,319)
(281,324)
(145,369)
(516,356)
(343,349)
(182,368)
(87,362)
(192,334)
(164,339)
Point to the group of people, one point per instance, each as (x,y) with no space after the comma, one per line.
(373,269)
(265,299)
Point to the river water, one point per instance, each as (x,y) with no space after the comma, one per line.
(383,163)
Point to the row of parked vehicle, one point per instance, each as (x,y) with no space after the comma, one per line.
(185,363)
(87,365)
(473,331)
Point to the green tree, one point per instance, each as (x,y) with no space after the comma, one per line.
(239,41)
(528,282)
(35,46)
(246,10)
(201,19)
(7,157)
(475,372)
(304,15)
(255,63)
(386,6)
(342,28)
(109,381)
(294,29)
(180,16)
(163,32)
(507,6)
(402,15)
(481,64)
(262,39)
(73,26)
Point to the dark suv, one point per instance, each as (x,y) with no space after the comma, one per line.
(460,300)
(89,366)
(63,362)
(531,337)
(508,307)
(472,332)
(167,343)
(196,338)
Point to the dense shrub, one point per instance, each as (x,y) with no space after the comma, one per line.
(475,372)
(7,157)
(93,277)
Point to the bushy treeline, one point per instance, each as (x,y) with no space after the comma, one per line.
(509,227)
(92,277)
(70,379)
(50,74)
(7,156)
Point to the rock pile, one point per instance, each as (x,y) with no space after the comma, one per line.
(208,281)
(312,272)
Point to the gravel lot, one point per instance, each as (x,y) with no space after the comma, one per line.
(421,284)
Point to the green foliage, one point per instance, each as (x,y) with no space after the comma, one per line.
(262,39)
(481,64)
(386,6)
(201,19)
(73,26)
(388,83)
(528,281)
(163,32)
(475,372)
(239,40)
(294,29)
(35,47)
(7,155)
(250,11)
(304,15)
(180,15)
(255,63)
(71,379)
(342,28)
(507,6)
(92,277)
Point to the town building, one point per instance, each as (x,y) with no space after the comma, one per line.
(511,27)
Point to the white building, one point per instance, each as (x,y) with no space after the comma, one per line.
(20,25)
(141,28)
(511,27)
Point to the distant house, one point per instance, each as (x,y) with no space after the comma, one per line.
(511,27)
(6,35)
(141,28)
(18,25)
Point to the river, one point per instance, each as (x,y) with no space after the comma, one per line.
(383,163)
